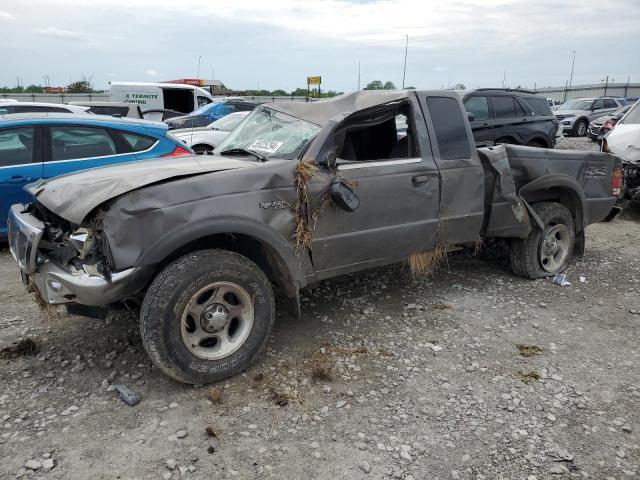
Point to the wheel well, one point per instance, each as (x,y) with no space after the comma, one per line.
(509,140)
(541,140)
(206,145)
(563,196)
(262,254)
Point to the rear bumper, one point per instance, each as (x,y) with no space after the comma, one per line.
(65,284)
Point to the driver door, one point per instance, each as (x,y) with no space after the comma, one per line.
(398,195)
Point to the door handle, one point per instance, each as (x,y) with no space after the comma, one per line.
(420,180)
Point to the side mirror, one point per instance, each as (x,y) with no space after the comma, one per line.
(344,197)
(471,116)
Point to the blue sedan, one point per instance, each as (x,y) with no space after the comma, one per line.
(34,146)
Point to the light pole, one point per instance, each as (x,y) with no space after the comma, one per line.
(404,71)
(213,71)
(573,62)
(198,72)
(358,75)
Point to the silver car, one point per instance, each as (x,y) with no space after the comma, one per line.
(576,114)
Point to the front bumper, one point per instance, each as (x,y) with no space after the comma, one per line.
(58,284)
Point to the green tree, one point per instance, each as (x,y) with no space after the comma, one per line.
(389,85)
(34,89)
(81,86)
(374,85)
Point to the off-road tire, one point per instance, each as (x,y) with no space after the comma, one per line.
(576,128)
(166,299)
(525,253)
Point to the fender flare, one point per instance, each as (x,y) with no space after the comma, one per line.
(171,241)
(563,182)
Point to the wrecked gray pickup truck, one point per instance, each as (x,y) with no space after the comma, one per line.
(298,193)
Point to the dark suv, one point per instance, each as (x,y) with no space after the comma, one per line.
(510,116)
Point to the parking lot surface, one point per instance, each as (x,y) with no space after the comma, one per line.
(471,373)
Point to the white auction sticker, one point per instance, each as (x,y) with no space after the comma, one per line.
(269,146)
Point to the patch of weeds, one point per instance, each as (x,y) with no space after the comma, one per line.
(211,450)
(385,353)
(279,398)
(320,372)
(22,348)
(442,306)
(529,377)
(258,377)
(529,350)
(212,433)
(215,396)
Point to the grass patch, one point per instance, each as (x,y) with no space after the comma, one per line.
(529,350)
(442,306)
(529,377)
(22,348)
(320,373)
(279,398)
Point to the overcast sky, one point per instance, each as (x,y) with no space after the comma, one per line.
(278,43)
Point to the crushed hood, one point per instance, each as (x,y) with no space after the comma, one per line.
(73,196)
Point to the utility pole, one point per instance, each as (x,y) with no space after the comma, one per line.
(626,87)
(198,72)
(606,85)
(573,62)
(358,75)
(404,71)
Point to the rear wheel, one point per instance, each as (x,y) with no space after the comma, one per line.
(207,316)
(545,252)
(535,143)
(580,128)
(203,149)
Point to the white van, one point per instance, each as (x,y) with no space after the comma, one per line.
(160,96)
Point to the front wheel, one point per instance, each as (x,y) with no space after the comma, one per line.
(580,128)
(547,252)
(207,316)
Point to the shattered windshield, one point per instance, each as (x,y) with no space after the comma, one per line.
(271,134)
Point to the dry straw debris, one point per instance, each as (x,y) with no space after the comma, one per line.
(425,263)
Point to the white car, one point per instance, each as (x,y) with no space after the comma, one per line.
(204,139)
(12,106)
(624,139)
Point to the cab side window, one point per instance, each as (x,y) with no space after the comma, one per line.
(385,134)
(71,142)
(598,105)
(450,127)
(16,146)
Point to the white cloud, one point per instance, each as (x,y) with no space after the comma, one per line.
(6,16)
(151,72)
(441,69)
(63,34)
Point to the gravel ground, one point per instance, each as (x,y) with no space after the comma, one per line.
(470,374)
